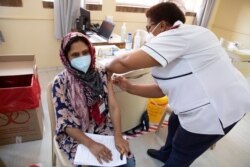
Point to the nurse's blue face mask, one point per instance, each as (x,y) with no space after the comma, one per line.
(81,63)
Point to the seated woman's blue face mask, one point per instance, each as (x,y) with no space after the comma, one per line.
(79,56)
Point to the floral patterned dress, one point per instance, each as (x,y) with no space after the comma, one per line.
(67,117)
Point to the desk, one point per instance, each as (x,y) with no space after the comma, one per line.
(113,40)
(241,60)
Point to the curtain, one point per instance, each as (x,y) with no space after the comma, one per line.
(1,37)
(65,14)
(204,13)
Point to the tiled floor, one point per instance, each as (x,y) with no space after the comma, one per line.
(231,151)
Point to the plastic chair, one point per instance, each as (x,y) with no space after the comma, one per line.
(167,111)
(57,153)
(132,107)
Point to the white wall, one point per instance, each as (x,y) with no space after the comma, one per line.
(30,29)
(232,21)
(134,20)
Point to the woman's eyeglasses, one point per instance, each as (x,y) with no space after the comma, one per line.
(148,27)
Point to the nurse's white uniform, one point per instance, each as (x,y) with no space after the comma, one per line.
(205,90)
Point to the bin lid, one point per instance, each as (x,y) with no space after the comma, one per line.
(17,65)
(160,101)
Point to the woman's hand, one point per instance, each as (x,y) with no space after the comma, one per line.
(122,145)
(121,82)
(100,151)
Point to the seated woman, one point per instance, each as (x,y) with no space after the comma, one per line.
(84,102)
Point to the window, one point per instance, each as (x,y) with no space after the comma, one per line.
(192,5)
(134,6)
(92,4)
(96,2)
(137,3)
(140,6)
(48,4)
(11,3)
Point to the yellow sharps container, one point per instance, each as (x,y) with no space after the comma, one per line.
(155,108)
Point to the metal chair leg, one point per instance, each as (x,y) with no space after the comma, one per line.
(167,110)
(53,159)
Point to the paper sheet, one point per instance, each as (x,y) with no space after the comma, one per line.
(85,157)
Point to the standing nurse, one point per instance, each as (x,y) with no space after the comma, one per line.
(206,92)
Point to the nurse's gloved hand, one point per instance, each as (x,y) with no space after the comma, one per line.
(121,82)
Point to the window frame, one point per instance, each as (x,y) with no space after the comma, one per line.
(11,3)
(49,4)
(130,9)
(133,8)
(136,4)
(93,2)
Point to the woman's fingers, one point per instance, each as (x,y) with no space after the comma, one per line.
(108,154)
(126,149)
(104,155)
(123,147)
(98,157)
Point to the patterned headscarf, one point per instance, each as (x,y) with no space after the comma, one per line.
(83,88)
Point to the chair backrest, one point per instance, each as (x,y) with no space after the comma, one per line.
(51,109)
(132,107)
(62,158)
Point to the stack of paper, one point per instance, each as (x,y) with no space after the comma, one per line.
(85,157)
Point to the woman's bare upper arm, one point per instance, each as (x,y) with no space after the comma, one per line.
(111,96)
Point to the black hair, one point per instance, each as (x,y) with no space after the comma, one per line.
(166,11)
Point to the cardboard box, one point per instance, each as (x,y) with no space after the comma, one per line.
(17,75)
(21,126)
(11,65)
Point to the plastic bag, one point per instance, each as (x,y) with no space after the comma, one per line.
(19,93)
